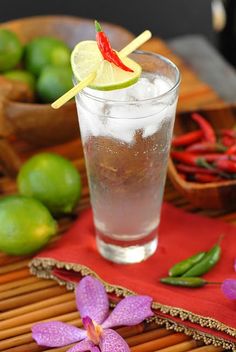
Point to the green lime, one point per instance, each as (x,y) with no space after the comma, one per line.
(26,225)
(21,76)
(53,82)
(45,51)
(86,58)
(51,179)
(10,50)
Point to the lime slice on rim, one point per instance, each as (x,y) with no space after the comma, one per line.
(86,58)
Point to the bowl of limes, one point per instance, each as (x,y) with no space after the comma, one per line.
(35,70)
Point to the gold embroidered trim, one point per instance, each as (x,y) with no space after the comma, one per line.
(195,334)
(42,267)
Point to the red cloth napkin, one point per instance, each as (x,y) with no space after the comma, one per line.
(202,312)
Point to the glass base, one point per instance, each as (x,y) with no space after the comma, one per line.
(127,254)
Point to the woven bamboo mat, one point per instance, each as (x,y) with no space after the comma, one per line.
(25,299)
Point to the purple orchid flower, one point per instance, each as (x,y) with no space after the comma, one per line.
(229,286)
(97,335)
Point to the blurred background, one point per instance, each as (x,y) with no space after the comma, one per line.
(167,19)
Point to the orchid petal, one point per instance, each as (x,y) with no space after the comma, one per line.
(131,310)
(229,288)
(95,349)
(56,334)
(82,346)
(111,341)
(91,299)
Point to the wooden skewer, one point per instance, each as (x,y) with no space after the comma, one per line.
(15,341)
(31,297)
(45,313)
(23,329)
(182,347)
(15,275)
(27,288)
(147,336)
(34,307)
(18,283)
(209,348)
(14,266)
(162,342)
(128,331)
(136,43)
(26,338)
(31,347)
(73,91)
(61,349)
(8,259)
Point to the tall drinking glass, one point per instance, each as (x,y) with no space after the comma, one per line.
(126,136)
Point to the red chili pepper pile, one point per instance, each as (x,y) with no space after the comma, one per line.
(203,156)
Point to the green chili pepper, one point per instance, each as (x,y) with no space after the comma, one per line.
(208,261)
(183,266)
(184,281)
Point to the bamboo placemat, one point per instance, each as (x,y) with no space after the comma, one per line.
(25,299)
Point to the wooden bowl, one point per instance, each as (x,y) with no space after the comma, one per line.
(216,195)
(39,124)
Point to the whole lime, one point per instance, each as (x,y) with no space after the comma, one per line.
(21,76)
(45,51)
(53,82)
(10,50)
(26,225)
(51,179)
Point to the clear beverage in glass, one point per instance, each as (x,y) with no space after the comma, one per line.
(126,137)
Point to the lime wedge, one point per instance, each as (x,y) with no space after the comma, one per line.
(86,58)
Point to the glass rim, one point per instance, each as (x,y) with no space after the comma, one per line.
(158,97)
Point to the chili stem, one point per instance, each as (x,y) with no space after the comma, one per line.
(203,163)
(97,26)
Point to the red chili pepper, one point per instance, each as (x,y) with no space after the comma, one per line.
(206,178)
(220,157)
(213,157)
(192,159)
(229,157)
(106,50)
(194,169)
(229,133)
(231,150)
(207,129)
(196,160)
(227,141)
(187,138)
(184,157)
(206,147)
(226,165)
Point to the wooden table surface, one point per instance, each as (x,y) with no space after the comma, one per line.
(25,299)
